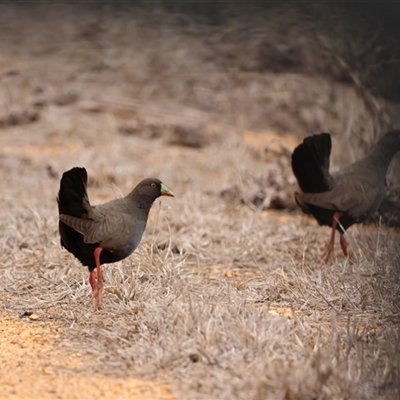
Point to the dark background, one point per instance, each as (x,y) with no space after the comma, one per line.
(377,61)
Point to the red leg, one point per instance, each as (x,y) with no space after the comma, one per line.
(331,245)
(343,244)
(95,291)
(97,287)
(92,281)
(329,248)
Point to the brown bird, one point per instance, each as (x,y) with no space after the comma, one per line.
(104,233)
(348,196)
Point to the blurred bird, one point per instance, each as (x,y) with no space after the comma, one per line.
(348,196)
(104,233)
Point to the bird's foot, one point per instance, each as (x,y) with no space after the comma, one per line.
(96,301)
(327,254)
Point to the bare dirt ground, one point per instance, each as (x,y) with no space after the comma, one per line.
(224,298)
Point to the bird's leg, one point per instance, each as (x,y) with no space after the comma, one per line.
(343,244)
(92,281)
(98,289)
(329,248)
(331,245)
(93,284)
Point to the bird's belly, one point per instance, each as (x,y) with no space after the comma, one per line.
(325,217)
(114,255)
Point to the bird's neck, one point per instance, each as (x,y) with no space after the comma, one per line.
(142,203)
(381,156)
(145,206)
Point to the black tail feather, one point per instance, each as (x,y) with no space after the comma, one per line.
(72,192)
(310,163)
(70,201)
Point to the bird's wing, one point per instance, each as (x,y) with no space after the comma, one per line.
(354,196)
(112,231)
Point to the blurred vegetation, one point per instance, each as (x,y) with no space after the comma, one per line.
(362,38)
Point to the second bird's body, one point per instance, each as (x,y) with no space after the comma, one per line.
(348,196)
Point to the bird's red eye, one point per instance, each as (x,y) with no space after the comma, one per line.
(153,185)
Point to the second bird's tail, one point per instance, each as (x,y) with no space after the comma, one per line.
(310,163)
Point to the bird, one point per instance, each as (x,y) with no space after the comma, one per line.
(105,233)
(347,196)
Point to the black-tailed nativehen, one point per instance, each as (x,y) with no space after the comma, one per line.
(346,197)
(105,233)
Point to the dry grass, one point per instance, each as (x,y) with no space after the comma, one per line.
(193,306)
(221,300)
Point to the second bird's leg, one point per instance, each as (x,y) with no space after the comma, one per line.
(343,244)
(331,245)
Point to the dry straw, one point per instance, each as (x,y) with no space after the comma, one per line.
(221,300)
